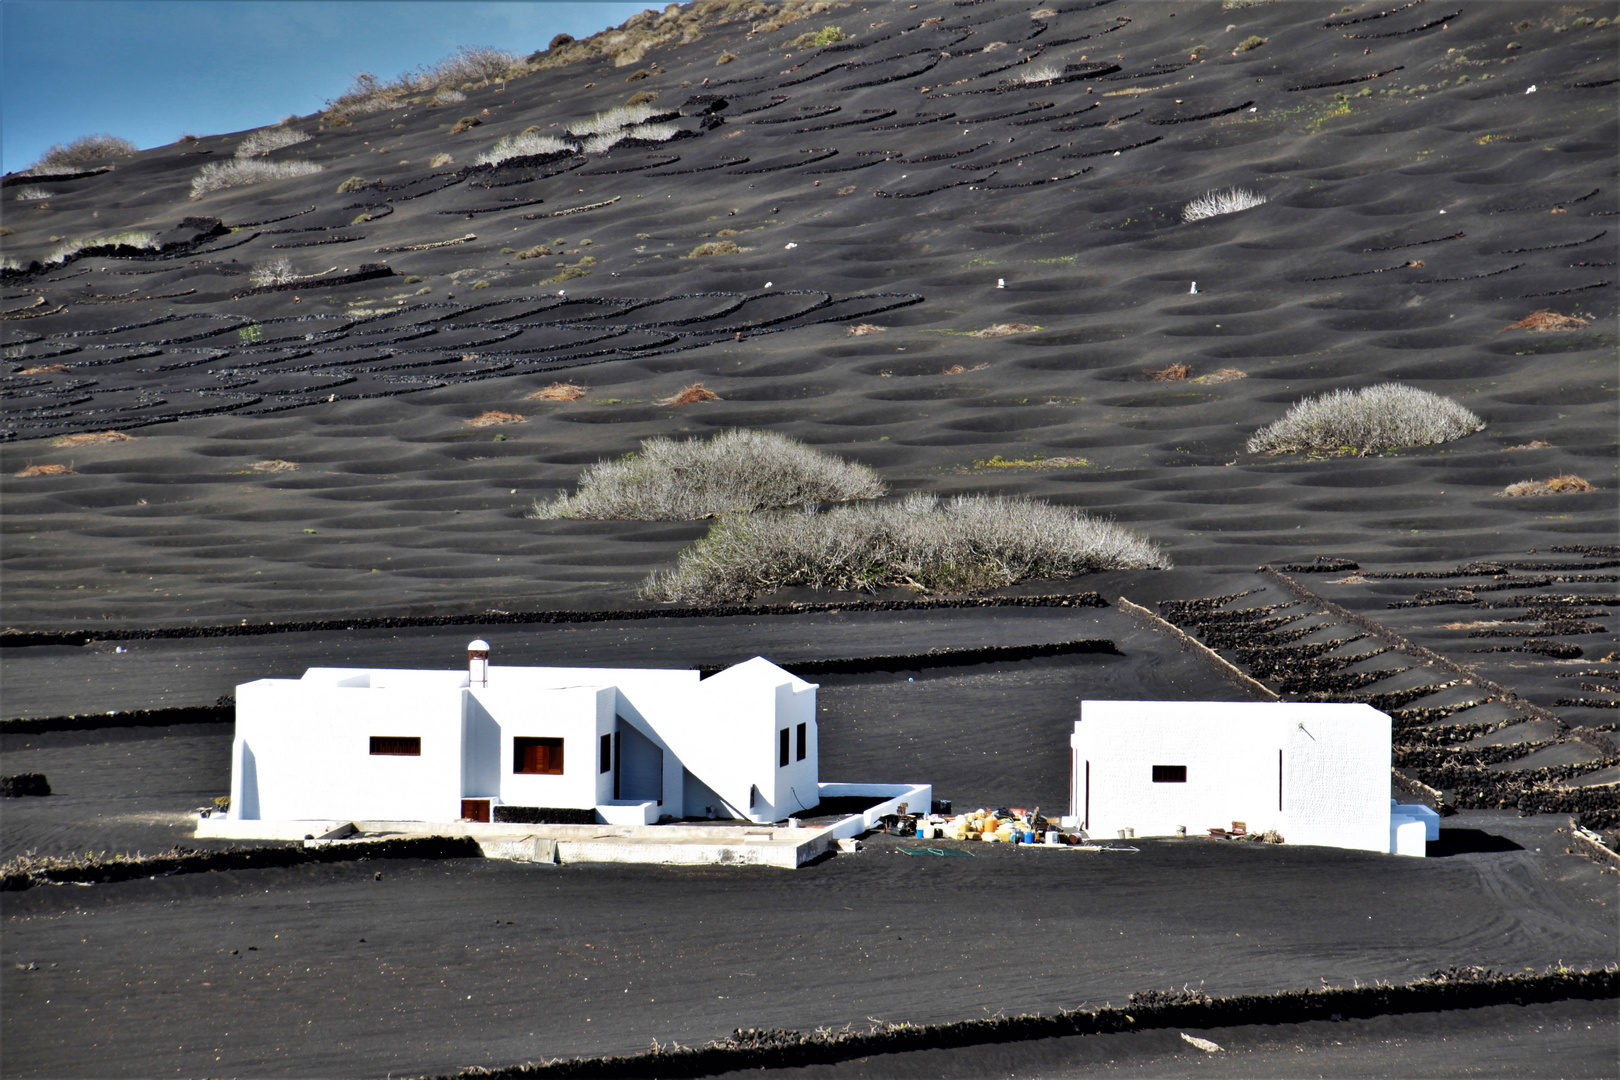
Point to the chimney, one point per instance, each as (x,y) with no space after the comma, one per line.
(478,663)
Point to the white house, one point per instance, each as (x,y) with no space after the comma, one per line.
(525,744)
(1314,773)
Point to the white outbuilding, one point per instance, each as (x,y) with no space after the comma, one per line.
(525,744)
(1315,773)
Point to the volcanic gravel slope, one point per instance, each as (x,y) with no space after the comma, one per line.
(1420,199)
(310,453)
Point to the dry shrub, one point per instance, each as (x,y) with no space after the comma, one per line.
(736,470)
(1006,329)
(45,369)
(1546,322)
(276,271)
(958,369)
(1225,374)
(229,174)
(965,544)
(642,97)
(439,161)
(1533,444)
(353,183)
(89,148)
(263,141)
(691,395)
(714,247)
(523,144)
(862,329)
(539,251)
(495,418)
(1216,203)
(92,438)
(1173,373)
(45,470)
(558,391)
(846,190)
(466,123)
(725,58)
(274,465)
(1567,484)
(1366,421)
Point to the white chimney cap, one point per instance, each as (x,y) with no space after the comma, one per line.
(480,645)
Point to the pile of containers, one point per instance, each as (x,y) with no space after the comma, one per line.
(1006,826)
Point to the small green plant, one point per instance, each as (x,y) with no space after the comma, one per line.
(250,335)
(413,280)
(714,247)
(1513,45)
(536,252)
(1249,44)
(568,273)
(827,35)
(353,183)
(480,284)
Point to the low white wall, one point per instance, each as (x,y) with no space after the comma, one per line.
(919,799)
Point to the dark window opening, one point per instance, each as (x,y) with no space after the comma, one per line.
(396,746)
(606,755)
(537,755)
(782,756)
(1169,774)
(804,741)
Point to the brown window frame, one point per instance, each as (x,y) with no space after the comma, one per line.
(1169,774)
(396,746)
(544,751)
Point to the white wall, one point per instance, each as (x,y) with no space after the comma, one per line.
(1334,784)
(579,716)
(302,751)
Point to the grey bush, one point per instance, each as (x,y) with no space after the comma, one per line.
(736,470)
(529,145)
(227,174)
(1366,421)
(964,544)
(469,63)
(89,148)
(276,271)
(1215,203)
(261,142)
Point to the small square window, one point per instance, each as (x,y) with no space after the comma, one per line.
(396,746)
(804,741)
(783,746)
(537,756)
(1169,774)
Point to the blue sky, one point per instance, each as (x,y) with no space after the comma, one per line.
(153,70)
